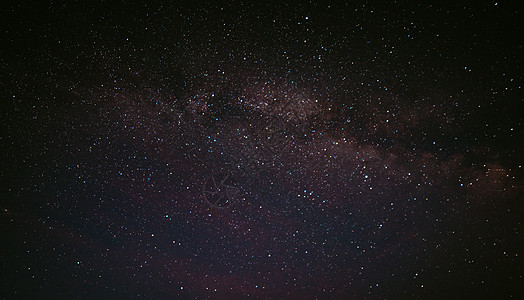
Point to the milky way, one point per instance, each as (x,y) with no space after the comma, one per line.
(262,151)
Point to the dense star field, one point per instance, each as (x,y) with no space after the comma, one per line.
(330,151)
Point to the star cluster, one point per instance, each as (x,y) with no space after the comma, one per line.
(261,151)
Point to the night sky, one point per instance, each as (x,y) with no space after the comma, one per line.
(261,151)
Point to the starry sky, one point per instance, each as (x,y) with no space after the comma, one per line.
(367,150)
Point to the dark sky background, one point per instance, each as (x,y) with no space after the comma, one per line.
(330,151)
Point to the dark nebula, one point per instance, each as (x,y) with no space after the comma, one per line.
(266,151)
